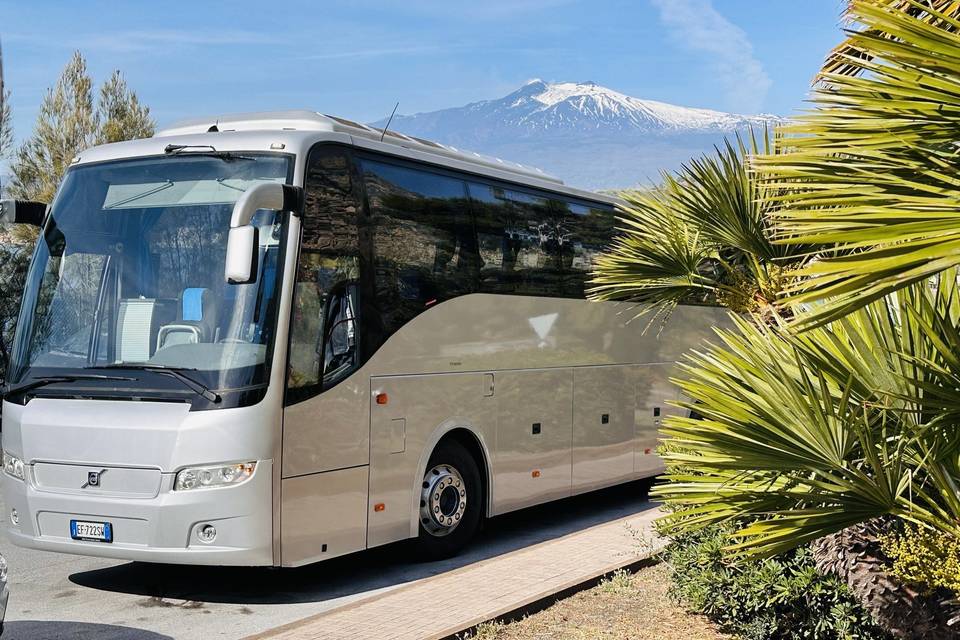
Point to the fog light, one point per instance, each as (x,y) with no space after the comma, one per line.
(207,533)
(14,516)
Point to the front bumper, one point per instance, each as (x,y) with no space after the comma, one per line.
(161,529)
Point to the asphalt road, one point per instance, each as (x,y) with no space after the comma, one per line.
(55,596)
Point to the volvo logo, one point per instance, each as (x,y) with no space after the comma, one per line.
(93,478)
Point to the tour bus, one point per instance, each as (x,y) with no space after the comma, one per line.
(277,338)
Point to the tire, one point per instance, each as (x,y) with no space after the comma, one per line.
(451,502)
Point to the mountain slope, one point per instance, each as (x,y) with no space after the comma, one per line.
(589,135)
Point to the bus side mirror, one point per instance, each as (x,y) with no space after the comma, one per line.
(242,241)
(23,212)
(241,254)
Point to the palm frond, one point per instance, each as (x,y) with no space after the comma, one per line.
(804,434)
(872,174)
(657,259)
(721,198)
(701,236)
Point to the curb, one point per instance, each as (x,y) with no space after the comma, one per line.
(546,599)
(535,595)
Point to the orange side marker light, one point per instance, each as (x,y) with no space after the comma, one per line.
(379,507)
(382,398)
(647,451)
(535,473)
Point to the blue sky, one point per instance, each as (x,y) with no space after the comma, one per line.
(356,59)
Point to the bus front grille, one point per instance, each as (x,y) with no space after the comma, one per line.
(130,482)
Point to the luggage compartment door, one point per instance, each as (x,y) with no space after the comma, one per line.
(603,426)
(534,430)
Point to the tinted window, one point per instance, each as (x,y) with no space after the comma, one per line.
(323,340)
(588,231)
(423,237)
(424,246)
(519,236)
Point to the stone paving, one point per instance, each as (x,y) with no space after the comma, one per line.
(443,605)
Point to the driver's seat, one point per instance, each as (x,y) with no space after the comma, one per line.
(195,322)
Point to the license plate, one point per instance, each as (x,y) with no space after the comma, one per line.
(94,531)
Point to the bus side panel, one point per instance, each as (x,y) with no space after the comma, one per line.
(603,426)
(533,461)
(654,392)
(412,415)
(329,431)
(324,515)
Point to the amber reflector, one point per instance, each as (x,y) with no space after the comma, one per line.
(382,398)
(379,507)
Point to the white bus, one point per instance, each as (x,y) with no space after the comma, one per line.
(272,339)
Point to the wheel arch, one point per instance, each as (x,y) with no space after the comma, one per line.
(474,442)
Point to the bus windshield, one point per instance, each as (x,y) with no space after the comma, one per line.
(129,270)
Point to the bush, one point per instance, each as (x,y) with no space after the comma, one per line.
(780,598)
(924,557)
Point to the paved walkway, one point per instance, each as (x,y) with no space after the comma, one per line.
(442,605)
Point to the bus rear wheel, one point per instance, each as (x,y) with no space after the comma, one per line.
(451,502)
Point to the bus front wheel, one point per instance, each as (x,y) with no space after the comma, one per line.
(451,502)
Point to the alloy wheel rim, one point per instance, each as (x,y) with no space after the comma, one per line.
(443,500)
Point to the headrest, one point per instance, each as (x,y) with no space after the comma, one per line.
(192,304)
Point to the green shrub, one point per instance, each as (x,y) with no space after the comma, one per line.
(780,598)
(925,557)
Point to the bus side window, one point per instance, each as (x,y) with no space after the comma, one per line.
(339,346)
(520,239)
(590,231)
(328,265)
(424,246)
(305,325)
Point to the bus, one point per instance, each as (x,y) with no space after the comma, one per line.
(277,338)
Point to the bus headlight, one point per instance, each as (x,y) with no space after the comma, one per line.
(216,476)
(12,465)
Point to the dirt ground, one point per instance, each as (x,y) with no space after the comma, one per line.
(627,606)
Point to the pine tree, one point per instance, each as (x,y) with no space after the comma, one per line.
(121,115)
(6,119)
(68,123)
(6,124)
(14,257)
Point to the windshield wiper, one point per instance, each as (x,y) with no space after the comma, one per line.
(42,382)
(177,373)
(203,150)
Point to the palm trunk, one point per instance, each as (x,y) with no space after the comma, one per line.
(854,555)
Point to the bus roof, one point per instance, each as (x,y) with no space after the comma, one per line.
(297,131)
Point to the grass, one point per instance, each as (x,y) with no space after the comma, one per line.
(626,606)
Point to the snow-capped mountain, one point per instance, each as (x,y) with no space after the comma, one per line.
(589,135)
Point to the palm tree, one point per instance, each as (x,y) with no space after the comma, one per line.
(701,236)
(872,174)
(829,434)
(789,425)
(804,435)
